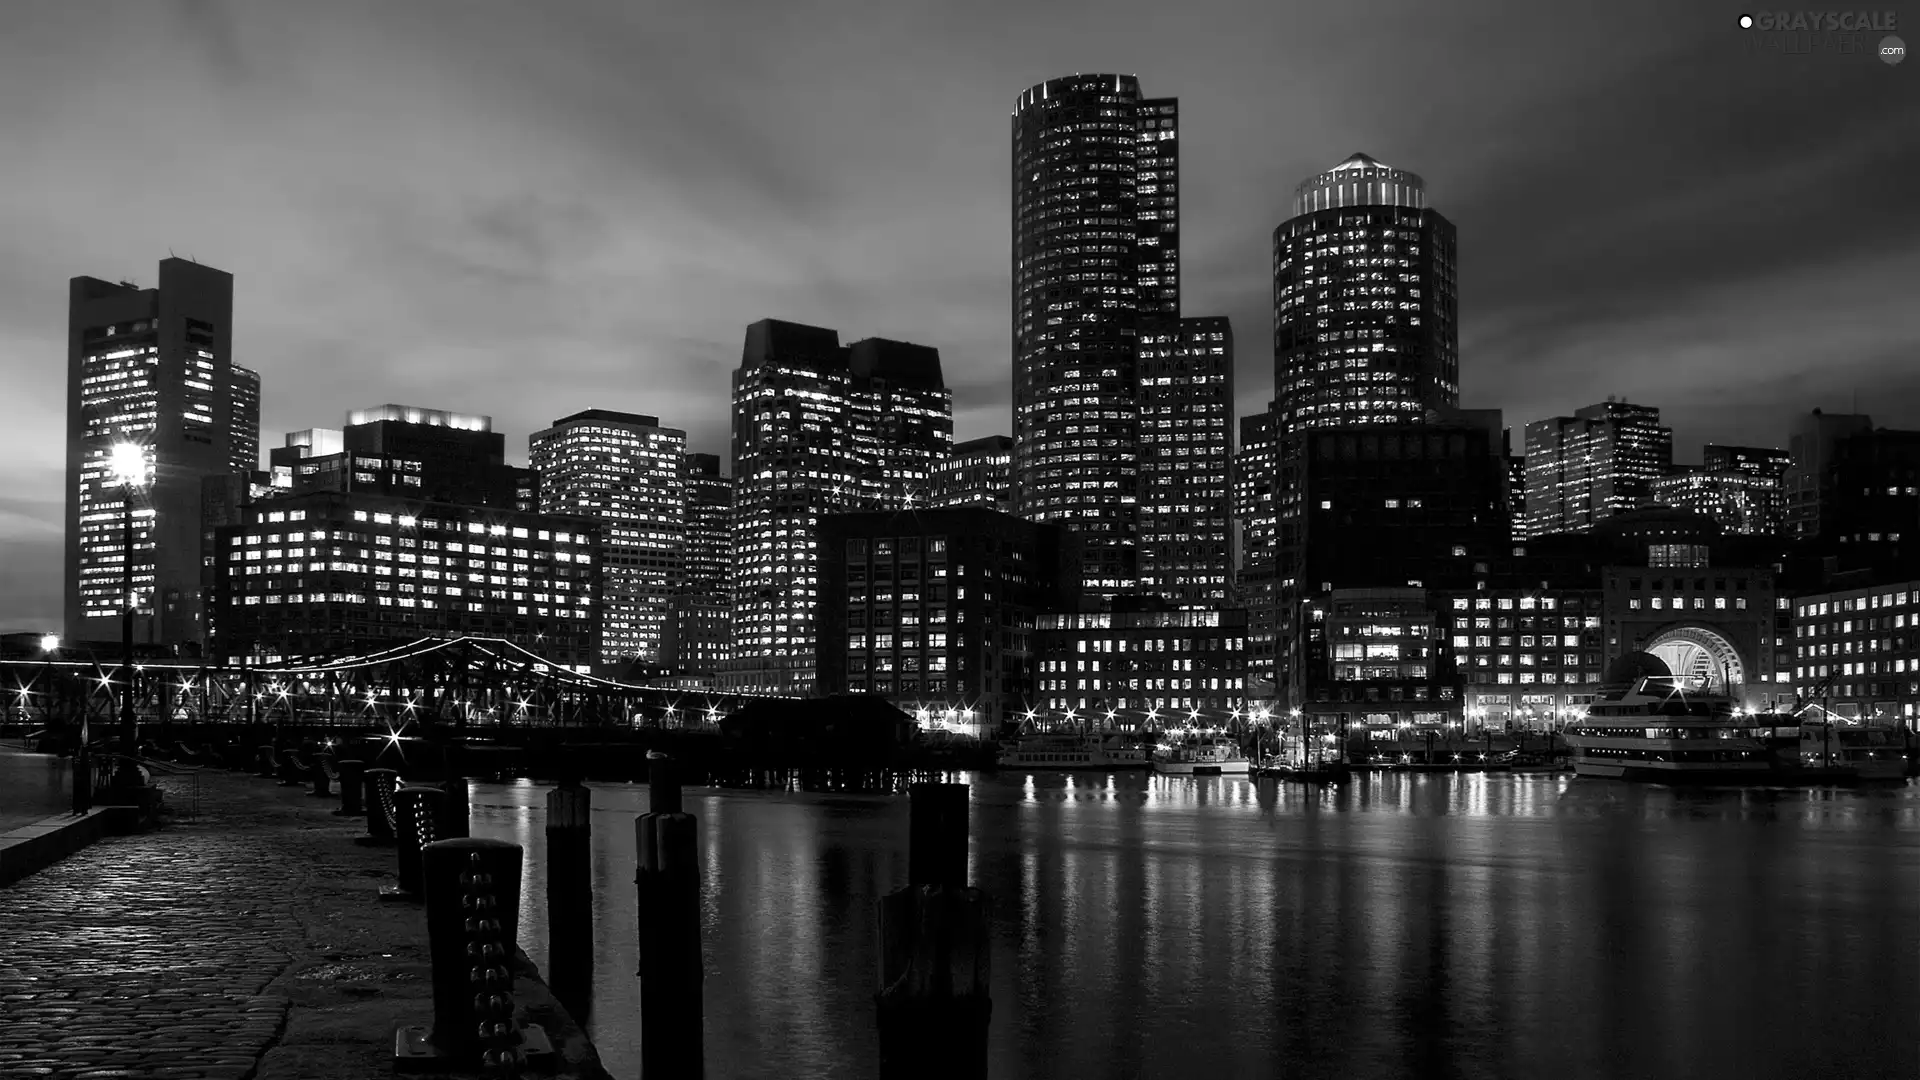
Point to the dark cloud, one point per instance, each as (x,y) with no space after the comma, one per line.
(525,210)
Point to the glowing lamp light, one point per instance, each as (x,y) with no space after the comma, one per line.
(49,642)
(127,463)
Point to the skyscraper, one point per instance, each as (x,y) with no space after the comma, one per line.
(627,472)
(817,429)
(150,367)
(1186,460)
(1096,233)
(1256,472)
(1808,479)
(1741,487)
(1584,468)
(1365,301)
(700,615)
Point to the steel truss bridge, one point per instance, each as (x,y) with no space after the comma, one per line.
(453,682)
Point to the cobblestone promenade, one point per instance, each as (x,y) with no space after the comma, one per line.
(244,944)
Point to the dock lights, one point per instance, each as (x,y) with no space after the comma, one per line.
(49,643)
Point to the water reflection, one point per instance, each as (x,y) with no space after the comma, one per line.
(32,787)
(1402,925)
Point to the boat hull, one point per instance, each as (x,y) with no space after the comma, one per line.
(1840,776)
(1088,766)
(1203,768)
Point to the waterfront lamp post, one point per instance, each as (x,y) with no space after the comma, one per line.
(128,464)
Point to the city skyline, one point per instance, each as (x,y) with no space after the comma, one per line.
(625,246)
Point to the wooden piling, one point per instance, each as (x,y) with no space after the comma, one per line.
(934,1002)
(668,880)
(570,897)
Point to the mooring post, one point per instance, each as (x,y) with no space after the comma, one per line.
(473,904)
(417,810)
(352,776)
(934,1002)
(454,809)
(379,786)
(668,877)
(322,773)
(268,767)
(570,896)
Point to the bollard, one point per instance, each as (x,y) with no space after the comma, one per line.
(268,767)
(934,1002)
(293,771)
(323,775)
(668,877)
(473,903)
(454,809)
(379,786)
(352,776)
(570,897)
(416,815)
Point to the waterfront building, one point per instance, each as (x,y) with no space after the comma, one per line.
(979,472)
(1525,657)
(1096,247)
(329,572)
(1857,651)
(1808,480)
(627,472)
(1256,476)
(1365,301)
(1373,658)
(817,429)
(935,609)
(151,367)
(698,635)
(1186,460)
(1600,461)
(1157,667)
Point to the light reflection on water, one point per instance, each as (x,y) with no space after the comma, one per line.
(1404,925)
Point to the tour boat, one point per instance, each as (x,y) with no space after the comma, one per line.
(1670,729)
(1196,756)
(1071,751)
(1851,752)
(1519,762)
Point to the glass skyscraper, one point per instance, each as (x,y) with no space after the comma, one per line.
(1096,231)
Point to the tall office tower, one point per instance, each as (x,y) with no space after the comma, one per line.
(1808,483)
(1741,487)
(1186,460)
(700,615)
(150,367)
(243,425)
(1516,486)
(1365,301)
(1256,471)
(979,472)
(1584,468)
(626,472)
(817,429)
(1096,235)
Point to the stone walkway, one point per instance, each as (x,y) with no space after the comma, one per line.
(245,944)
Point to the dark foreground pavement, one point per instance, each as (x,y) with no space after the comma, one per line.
(247,943)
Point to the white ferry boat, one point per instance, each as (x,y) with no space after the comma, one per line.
(1853,752)
(1668,729)
(1088,752)
(1196,756)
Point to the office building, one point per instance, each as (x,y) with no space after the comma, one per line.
(1256,475)
(405,450)
(1373,658)
(330,572)
(1601,461)
(935,609)
(1186,461)
(1365,301)
(1135,668)
(1096,228)
(1808,480)
(1741,487)
(817,429)
(1857,651)
(700,615)
(628,473)
(979,472)
(151,367)
(1531,658)
(1516,485)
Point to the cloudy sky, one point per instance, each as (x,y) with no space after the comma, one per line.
(524,209)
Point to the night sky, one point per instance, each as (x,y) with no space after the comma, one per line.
(527,209)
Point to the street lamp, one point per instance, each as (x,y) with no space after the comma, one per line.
(127,462)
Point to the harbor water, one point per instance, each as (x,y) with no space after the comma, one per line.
(1445,925)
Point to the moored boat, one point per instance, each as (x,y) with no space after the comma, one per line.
(1851,752)
(1071,751)
(1201,756)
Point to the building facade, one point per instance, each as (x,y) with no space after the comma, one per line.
(340,572)
(1602,460)
(151,367)
(979,472)
(817,429)
(1186,461)
(935,610)
(1256,478)
(1373,658)
(1857,651)
(1742,488)
(627,472)
(1365,301)
(1808,482)
(698,634)
(1096,241)
(1151,669)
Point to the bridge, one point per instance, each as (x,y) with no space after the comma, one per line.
(453,682)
